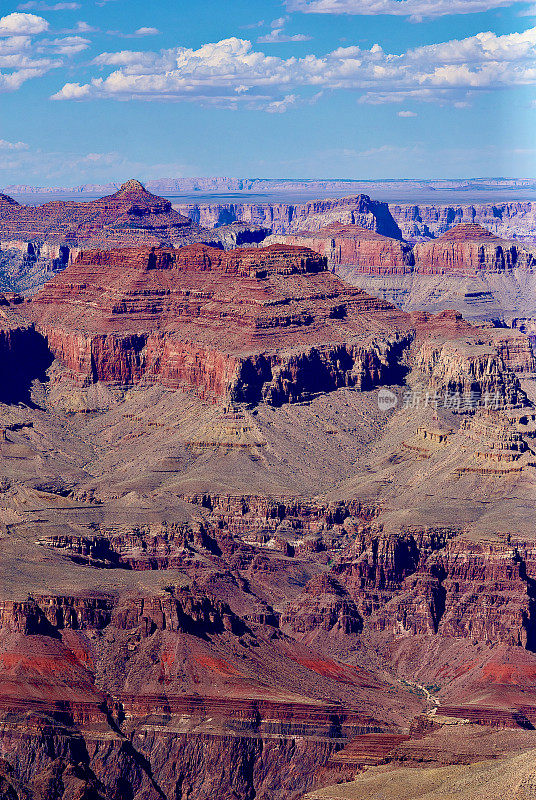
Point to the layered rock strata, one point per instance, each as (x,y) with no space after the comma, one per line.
(286,218)
(352,245)
(508,220)
(468,249)
(37,242)
(268,324)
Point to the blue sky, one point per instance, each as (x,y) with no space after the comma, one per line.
(100,90)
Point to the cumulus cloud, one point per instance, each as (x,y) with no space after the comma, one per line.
(407,114)
(232,71)
(22,24)
(26,54)
(417,10)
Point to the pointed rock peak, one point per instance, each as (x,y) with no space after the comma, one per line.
(131,187)
(5,199)
(468,230)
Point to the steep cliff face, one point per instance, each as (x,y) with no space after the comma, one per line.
(435,582)
(24,357)
(505,220)
(469,248)
(480,369)
(508,220)
(286,218)
(365,251)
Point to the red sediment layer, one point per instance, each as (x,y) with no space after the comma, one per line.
(469,249)
(364,250)
(217,322)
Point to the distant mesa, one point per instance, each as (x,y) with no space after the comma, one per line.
(248,324)
(468,231)
(346,244)
(130,215)
(42,240)
(471,249)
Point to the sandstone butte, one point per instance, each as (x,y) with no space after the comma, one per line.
(468,249)
(262,594)
(245,324)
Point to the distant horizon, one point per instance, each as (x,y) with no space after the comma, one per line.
(112,183)
(217,190)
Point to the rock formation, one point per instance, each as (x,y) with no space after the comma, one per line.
(242,324)
(508,220)
(354,246)
(468,249)
(288,218)
(42,240)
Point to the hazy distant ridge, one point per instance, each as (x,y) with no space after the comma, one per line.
(260,185)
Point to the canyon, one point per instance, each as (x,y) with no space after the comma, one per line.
(265,533)
(40,241)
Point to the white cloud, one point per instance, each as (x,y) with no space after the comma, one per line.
(81,27)
(252,25)
(22,24)
(146,31)
(417,10)
(43,167)
(26,54)
(231,72)
(41,6)
(66,45)
(5,145)
(407,114)
(388,150)
(139,33)
(74,91)
(278,35)
(280,106)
